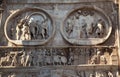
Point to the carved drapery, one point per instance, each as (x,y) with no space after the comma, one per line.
(84,51)
(86,26)
(32,26)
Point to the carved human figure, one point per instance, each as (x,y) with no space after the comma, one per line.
(44,57)
(71,58)
(25,31)
(99,29)
(79,73)
(34,58)
(70,25)
(83,31)
(19,29)
(56,58)
(28,59)
(13,75)
(44,26)
(110,74)
(77,27)
(89,30)
(39,60)
(99,74)
(63,58)
(23,58)
(96,58)
(14,60)
(33,28)
(103,60)
(48,60)
(91,75)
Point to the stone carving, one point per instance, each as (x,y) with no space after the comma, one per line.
(18,29)
(44,27)
(78,26)
(100,28)
(35,26)
(23,59)
(25,31)
(85,25)
(110,74)
(31,28)
(5,60)
(61,73)
(102,74)
(49,54)
(53,56)
(98,58)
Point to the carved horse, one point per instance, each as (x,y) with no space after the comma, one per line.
(4,61)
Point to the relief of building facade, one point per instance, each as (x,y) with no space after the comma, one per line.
(60,39)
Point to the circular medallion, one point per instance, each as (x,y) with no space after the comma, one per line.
(29,26)
(86,26)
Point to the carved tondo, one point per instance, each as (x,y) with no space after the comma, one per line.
(30,26)
(86,26)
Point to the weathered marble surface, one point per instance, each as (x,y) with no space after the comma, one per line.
(55,1)
(58,58)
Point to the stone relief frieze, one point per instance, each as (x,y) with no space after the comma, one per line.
(63,73)
(29,26)
(86,26)
(53,56)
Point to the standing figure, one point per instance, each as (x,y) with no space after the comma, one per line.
(44,57)
(71,58)
(110,74)
(39,60)
(23,58)
(28,59)
(33,28)
(99,29)
(25,32)
(96,58)
(103,60)
(19,29)
(70,25)
(63,58)
(89,30)
(92,75)
(77,27)
(83,31)
(15,61)
(34,58)
(44,26)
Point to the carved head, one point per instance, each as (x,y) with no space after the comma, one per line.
(98,52)
(31,21)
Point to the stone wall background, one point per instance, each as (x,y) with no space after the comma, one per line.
(58,10)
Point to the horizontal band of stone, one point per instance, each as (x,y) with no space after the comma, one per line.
(49,47)
(64,67)
(55,1)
